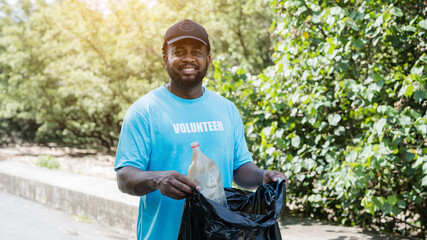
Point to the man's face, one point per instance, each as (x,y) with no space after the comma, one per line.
(187,61)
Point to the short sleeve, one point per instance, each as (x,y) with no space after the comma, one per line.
(134,146)
(241,152)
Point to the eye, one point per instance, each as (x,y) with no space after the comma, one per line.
(179,52)
(197,52)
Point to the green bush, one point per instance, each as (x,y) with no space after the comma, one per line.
(343,111)
(47,161)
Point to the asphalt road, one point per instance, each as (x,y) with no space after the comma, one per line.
(22,219)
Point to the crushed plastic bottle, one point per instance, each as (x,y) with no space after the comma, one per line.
(206,174)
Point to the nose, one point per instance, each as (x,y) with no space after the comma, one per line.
(188,57)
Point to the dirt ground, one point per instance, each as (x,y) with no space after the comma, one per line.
(80,161)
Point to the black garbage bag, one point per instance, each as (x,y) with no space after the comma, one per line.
(249,215)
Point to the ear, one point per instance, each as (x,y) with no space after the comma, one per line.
(165,59)
(208,60)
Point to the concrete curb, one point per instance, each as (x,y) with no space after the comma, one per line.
(86,197)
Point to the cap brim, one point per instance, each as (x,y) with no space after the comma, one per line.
(184,37)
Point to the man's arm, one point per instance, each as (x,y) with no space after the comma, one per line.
(249,176)
(172,184)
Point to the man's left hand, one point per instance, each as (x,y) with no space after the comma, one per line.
(271,176)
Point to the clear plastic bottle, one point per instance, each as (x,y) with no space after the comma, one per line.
(206,174)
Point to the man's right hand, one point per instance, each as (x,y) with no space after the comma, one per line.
(175,185)
(137,182)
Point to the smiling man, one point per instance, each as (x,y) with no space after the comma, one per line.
(154,153)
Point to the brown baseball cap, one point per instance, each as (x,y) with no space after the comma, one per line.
(186,29)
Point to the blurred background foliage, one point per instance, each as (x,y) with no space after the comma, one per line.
(333,93)
(70,70)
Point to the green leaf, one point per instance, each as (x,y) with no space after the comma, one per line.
(409,91)
(391,112)
(343,66)
(340,131)
(392,200)
(381,109)
(379,126)
(404,120)
(359,43)
(376,86)
(386,208)
(351,156)
(424,181)
(379,200)
(401,204)
(403,90)
(329,157)
(417,70)
(353,165)
(368,205)
(409,156)
(334,119)
(349,83)
(300,177)
(423,130)
(396,12)
(410,28)
(300,10)
(310,164)
(296,141)
(423,24)
(336,10)
(374,204)
(420,95)
(420,161)
(369,94)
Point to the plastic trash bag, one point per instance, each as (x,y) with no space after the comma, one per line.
(247,215)
(206,174)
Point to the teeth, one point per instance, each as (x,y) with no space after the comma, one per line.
(189,69)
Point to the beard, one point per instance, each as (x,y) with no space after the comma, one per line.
(187,83)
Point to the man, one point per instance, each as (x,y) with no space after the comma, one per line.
(154,153)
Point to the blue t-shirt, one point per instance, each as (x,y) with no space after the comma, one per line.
(156,135)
